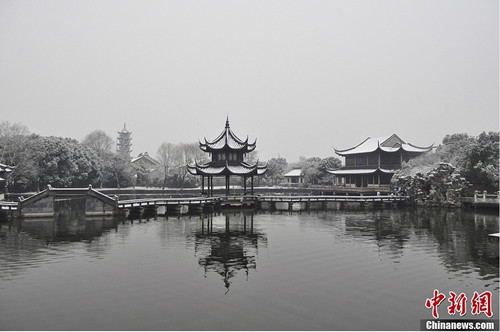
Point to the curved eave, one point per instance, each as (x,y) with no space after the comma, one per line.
(346,151)
(227,140)
(414,148)
(361,171)
(386,149)
(242,169)
(405,147)
(236,139)
(244,149)
(192,169)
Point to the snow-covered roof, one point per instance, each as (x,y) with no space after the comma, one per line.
(227,139)
(361,171)
(294,172)
(145,156)
(6,168)
(390,143)
(227,169)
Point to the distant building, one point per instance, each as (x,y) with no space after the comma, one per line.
(228,152)
(144,166)
(145,161)
(124,142)
(373,162)
(294,177)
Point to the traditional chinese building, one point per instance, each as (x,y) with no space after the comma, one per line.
(227,153)
(144,160)
(124,141)
(372,163)
(294,177)
(144,166)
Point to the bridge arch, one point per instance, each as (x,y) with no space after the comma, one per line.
(87,200)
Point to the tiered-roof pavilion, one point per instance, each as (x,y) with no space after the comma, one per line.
(372,162)
(227,152)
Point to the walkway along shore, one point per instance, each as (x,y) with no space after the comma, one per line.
(83,202)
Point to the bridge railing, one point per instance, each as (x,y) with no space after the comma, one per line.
(165,201)
(24,202)
(484,197)
(327,198)
(369,188)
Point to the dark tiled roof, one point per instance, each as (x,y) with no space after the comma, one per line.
(242,169)
(227,140)
(387,144)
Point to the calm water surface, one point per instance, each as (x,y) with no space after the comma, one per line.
(319,271)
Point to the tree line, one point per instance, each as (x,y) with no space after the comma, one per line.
(66,162)
(460,165)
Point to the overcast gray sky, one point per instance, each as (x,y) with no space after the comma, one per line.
(300,76)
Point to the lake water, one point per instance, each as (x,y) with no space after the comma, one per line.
(335,270)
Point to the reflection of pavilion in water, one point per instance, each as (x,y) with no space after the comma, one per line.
(228,249)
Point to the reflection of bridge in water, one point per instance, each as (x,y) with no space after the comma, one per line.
(228,249)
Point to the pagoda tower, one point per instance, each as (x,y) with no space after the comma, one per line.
(228,153)
(124,141)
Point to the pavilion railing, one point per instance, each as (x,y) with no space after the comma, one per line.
(484,197)
(368,188)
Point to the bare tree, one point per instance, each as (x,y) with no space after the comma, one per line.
(166,155)
(99,141)
(186,153)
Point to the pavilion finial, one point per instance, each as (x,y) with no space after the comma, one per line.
(227,121)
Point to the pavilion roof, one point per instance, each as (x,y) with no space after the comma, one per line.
(294,172)
(145,156)
(6,168)
(242,169)
(342,171)
(390,143)
(227,140)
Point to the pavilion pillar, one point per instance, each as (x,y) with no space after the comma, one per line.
(227,185)
(244,185)
(202,184)
(251,185)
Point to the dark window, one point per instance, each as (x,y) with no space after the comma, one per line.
(361,160)
(373,159)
